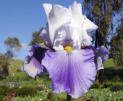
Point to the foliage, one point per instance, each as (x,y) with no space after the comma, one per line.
(14,65)
(102,13)
(117,5)
(3,90)
(96,95)
(104,95)
(3,60)
(116,46)
(20,76)
(36,37)
(3,66)
(24,91)
(109,63)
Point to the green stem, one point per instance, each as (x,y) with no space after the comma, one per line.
(69,98)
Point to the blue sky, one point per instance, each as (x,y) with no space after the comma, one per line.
(20,18)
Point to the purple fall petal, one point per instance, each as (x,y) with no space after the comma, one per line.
(33,68)
(73,72)
(32,63)
(103,52)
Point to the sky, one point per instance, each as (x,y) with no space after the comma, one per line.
(20,18)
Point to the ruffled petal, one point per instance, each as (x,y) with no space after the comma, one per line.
(32,64)
(57,16)
(78,25)
(103,52)
(73,72)
(89,25)
(33,68)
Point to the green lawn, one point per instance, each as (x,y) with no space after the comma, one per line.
(109,64)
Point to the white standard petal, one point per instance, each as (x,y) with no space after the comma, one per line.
(76,12)
(47,8)
(80,35)
(72,17)
(57,17)
(89,25)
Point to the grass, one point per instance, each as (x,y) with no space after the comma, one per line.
(109,63)
(110,90)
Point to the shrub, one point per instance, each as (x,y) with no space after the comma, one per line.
(3,66)
(18,70)
(3,90)
(2,98)
(26,91)
(20,76)
(104,95)
(117,88)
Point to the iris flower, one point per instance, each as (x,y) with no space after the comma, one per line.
(68,53)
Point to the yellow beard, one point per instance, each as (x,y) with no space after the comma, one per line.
(68,49)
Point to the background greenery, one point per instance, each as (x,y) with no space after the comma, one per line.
(23,88)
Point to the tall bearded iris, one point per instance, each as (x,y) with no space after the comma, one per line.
(68,54)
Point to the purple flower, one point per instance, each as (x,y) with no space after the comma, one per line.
(68,55)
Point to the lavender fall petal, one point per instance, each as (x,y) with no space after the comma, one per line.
(103,52)
(33,68)
(73,72)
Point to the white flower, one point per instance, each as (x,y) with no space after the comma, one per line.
(71,22)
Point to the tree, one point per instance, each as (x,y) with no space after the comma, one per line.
(116,45)
(102,13)
(13,45)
